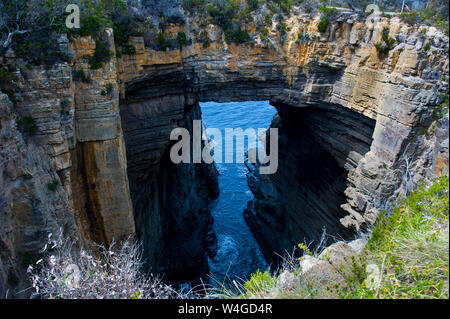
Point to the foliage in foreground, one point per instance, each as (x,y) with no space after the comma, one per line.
(409,249)
(114,274)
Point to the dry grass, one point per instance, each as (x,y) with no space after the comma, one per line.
(114,274)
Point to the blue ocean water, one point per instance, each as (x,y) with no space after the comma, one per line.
(238,254)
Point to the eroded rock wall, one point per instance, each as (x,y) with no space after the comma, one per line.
(357,110)
(69,158)
(318,146)
(100,186)
(170,201)
(331,89)
(29,209)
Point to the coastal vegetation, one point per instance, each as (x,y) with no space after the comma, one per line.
(407,250)
(194,51)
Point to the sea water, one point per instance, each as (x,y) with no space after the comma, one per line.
(238,253)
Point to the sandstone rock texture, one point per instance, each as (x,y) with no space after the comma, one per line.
(354,132)
(29,210)
(353,122)
(331,267)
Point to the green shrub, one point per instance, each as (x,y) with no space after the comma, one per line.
(282,28)
(323,25)
(109,88)
(181,39)
(161,42)
(42,23)
(128,49)
(264,34)
(90,26)
(259,283)
(411,245)
(39,48)
(27,125)
(206,44)
(286,5)
(79,75)
(124,26)
(101,55)
(253,4)
(53,185)
(303,37)
(411,17)
(428,17)
(45,23)
(190,4)
(241,36)
(65,104)
(443,108)
(328,12)
(387,44)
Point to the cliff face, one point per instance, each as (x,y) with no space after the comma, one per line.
(99,179)
(170,201)
(318,146)
(348,118)
(79,137)
(351,119)
(29,209)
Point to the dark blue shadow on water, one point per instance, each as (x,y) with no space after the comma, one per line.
(238,252)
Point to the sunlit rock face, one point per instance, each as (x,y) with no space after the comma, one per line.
(347,115)
(355,118)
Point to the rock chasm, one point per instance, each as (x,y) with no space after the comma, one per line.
(351,122)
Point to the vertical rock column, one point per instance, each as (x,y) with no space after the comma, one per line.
(101,195)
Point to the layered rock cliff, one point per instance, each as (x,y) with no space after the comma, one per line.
(350,121)
(30,209)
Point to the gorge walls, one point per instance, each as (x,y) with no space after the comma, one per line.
(348,116)
(352,125)
(170,201)
(99,179)
(318,146)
